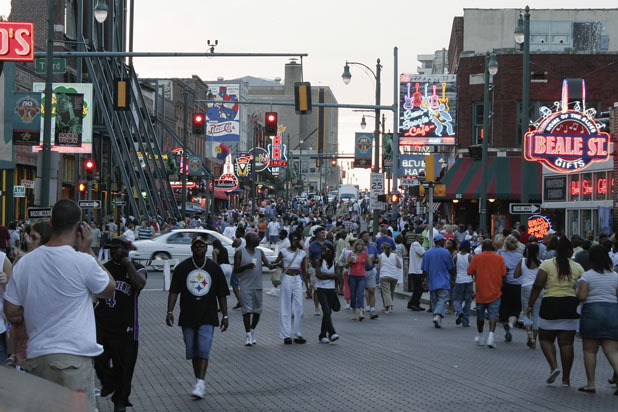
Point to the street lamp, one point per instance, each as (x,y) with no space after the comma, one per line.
(522,36)
(491,68)
(363,123)
(347,77)
(100,11)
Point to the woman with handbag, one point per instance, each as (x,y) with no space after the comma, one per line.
(597,289)
(558,316)
(325,286)
(294,261)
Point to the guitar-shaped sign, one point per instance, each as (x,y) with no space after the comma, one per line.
(434,102)
(444,99)
(408,105)
(417,97)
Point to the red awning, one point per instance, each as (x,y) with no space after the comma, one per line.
(463,179)
(220,195)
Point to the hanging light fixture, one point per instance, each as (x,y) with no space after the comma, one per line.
(100,11)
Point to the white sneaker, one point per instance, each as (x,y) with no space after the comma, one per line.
(324,340)
(253,341)
(490,342)
(199,390)
(248,340)
(334,337)
(272,292)
(479,340)
(347,306)
(316,312)
(437,321)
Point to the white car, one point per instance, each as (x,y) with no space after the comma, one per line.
(177,245)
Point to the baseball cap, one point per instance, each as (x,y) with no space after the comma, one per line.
(199,239)
(551,232)
(438,237)
(119,242)
(465,243)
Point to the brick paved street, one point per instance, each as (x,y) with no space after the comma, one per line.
(398,362)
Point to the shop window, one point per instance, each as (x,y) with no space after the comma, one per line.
(573,222)
(574,188)
(587,221)
(477,116)
(586,186)
(601,186)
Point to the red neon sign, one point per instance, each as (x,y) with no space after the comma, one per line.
(538,226)
(586,186)
(419,131)
(16,41)
(574,188)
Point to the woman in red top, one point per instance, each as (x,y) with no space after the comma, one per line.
(357,278)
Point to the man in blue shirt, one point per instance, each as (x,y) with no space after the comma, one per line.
(384,237)
(438,266)
(315,252)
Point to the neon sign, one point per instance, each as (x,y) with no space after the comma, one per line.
(278,153)
(228,180)
(427,107)
(567,140)
(538,226)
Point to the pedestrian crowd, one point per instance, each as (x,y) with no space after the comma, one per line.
(70,291)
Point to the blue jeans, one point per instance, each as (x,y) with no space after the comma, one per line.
(357,291)
(198,341)
(462,292)
(3,348)
(439,298)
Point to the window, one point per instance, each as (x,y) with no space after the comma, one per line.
(574,188)
(550,35)
(183,238)
(477,123)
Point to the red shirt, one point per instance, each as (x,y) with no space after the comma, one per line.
(358,268)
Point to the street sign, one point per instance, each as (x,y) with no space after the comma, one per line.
(90,204)
(59,65)
(119,203)
(377,183)
(409,182)
(524,208)
(28,184)
(19,191)
(374,203)
(39,212)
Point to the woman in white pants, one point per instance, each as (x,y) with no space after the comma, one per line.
(294,261)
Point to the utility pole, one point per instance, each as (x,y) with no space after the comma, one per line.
(46,152)
(376,137)
(253,191)
(184,153)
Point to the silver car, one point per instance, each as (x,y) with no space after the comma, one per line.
(177,245)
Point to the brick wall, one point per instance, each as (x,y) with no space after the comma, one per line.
(455,45)
(599,71)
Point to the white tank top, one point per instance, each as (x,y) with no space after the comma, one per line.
(462,269)
(528,276)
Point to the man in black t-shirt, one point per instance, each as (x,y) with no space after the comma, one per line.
(203,290)
(118,326)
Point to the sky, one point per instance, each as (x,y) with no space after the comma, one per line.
(330,31)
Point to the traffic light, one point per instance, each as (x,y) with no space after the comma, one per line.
(198,123)
(271,124)
(89,168)
(394,198)
(302,97)
(333,162)
(81,187)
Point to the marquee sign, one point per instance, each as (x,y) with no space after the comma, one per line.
(567,140)
(427,110)
(538,226)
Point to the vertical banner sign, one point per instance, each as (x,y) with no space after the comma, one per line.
(16,41)
(26,118)
(72,117)
(387,149)
(278,153)
(427,109)
(223,117)
(362,150)
(195,165)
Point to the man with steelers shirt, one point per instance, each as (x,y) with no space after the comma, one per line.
(203,290)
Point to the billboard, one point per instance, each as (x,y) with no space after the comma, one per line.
(427,109)
(72,117)
(223,117)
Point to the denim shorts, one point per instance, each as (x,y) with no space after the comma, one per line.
(198,341)
(234,280)
(492,308)
(371,282)
(599,320)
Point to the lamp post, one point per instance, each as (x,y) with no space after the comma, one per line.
(46,148)
(491,68)
(522,36)
(347,77)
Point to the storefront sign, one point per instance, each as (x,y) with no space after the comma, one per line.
(362,150)
(16,41)
(427,109)
(223,117)
(262,159)
(195,165)
(412,165)
(538,226)
(242,165)
(228,181)
(26,118)
(568,140)
(278,154)
(555,189)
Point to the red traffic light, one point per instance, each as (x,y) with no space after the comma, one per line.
(81,187)
(271,124)
(198,118)
(89,165)
(271,117)
(394,198)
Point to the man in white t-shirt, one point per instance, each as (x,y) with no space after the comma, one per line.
(273,230)
(51,290)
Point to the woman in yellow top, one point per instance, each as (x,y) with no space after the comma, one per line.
(558,316)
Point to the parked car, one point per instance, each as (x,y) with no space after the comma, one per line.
(177,245)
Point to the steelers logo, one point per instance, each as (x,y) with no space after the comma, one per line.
(198,282)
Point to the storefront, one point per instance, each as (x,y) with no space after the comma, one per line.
(580,202)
